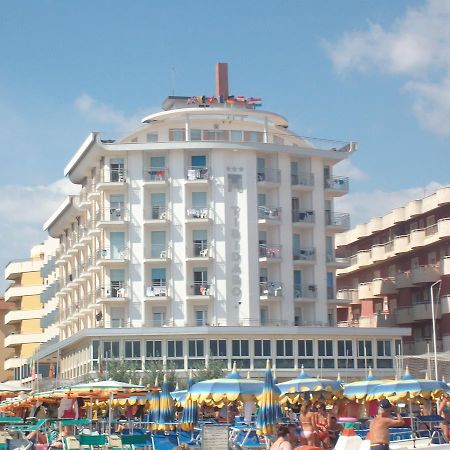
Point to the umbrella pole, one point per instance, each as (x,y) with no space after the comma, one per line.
(90,408)
(111,397)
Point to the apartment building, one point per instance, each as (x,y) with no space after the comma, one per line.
(394,262)
(5,353)
(208,232)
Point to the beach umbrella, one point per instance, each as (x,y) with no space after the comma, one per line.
(306,386)
(409,388)
(165,418)
(179,396)
(268,402)
(154,396)
(221,391)
(190,410)
(359,390)
(12,390)
(104,389)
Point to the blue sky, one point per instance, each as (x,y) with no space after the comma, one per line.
(374,72)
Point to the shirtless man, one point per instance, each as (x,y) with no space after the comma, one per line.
(379,426)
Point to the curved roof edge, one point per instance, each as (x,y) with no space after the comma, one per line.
(277,119)
(62,208)
(76,158)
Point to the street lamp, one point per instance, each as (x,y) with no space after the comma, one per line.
(433,319)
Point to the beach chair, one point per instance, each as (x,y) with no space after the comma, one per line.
(191,438)
(114,442)
(71,443)
(247,438)
(91,441)
(165,441)
(132,441)
(4,437)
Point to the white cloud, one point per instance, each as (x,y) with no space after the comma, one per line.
(417,47)
(24,211)
(348,169)
(362,206)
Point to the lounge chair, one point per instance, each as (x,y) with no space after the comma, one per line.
(247,438)
(71,443)
(132,441)
(165,441)
(91,441)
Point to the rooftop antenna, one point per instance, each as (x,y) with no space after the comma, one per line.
(172,77)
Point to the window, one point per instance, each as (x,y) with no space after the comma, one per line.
(132,349)
(196,135)
(177,134)
(330,285)
(384,348)
(153,349)
(264,316)
(236,136)
(384,353)
(325,350)
(365,354)
(152,137)
(200,317)
(285,347)
(200,242)
(254,136)
(262,347)
(218,347)
(158,162)
(174,349)
(329,245)
(298,284)
(159,318)
(200,286)
(305,347)
(196,348)
(239,347)
(261,199)
(158,244)
(261,169)
(345,354)
(294,172)
(398,347)
(198,161)
(199,200)
(117,170)
(158,278)
(111,349)
(95,348)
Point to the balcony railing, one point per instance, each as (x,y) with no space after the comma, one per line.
(201,288)
(156,174)
(337,219)
(112,254)
(112,214)
(304,254)
(269,213)
(200,249)
(118,175)
(302,179)
(117,289)
(269,175)
(336,183)
(270,289)
(158,251)
(159,213)
(197,173)
(158,289)
(197,213)
(269,251)
(302,216)
(305,291)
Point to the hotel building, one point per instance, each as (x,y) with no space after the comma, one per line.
(25,332)
(394,262)
(208,232)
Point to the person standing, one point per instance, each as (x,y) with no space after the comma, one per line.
(283,439)
(379,426)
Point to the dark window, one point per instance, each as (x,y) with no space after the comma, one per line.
(153,349)
(196,347)
(305,347)
(111,349)
(240,347)
(95,347)
(175,349)
(284,347)
(218,347)
(262,347)
(325,348)
(345,348)
(132,349)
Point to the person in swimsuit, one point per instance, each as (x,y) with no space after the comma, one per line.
(379,426)
(322,426)
(308,423)
(444,411)
(283,439)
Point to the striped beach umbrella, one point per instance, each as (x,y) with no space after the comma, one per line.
(104,389)
(409,388)
(359,390)
(190,410)
(221,391)
(269,407)
(165,419)
(293,391)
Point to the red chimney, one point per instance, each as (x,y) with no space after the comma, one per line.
(222,80)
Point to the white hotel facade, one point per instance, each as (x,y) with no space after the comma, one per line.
(208,232)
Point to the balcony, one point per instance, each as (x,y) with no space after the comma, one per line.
(337,262)
(14,292)
(15,269)
(49,319)
(305,291)
(417,238)
(199,251)
(270,289)
(112,178)
(116,292)
(337,221)
(422,311)
(304,255)
(200,290)
(425,274)
(156,175)
(19,339)
(112,216)
(268,177)
(196,174)
(445,265)
(158,215)
(157,253)
(405,315)
(198,214)
(156,291)
(401,244)
(403,280)
(365,291)
(269,252)
(112,256)
(383,286)
(302,181)
(348,296)
(301,217)
(269,214)
(19,315)
(336,186)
